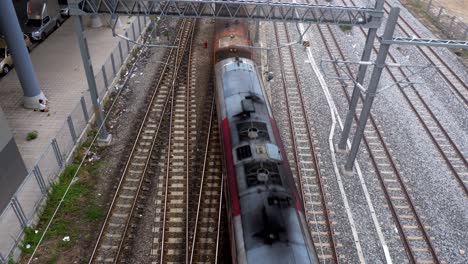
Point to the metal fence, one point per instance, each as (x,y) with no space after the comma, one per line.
(25,204)
(450,24)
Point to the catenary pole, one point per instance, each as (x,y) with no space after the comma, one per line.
(103,134)
(372,89)
(359,81)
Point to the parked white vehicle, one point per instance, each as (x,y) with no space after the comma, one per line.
(6,61)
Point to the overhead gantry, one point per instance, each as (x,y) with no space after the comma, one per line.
(238,9)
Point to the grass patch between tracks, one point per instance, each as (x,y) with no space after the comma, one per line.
(79,210)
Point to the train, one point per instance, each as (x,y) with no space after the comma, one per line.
(266,216)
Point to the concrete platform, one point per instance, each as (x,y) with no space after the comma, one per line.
(59,69)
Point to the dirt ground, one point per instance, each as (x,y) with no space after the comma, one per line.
(458,8)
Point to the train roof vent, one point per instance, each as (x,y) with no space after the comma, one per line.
(259,173)
(252,130)
(243,152)
(248,106)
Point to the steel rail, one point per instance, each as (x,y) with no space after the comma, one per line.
(187,150)
(180,54)
(331,241)
(404,188)
(124,173)
(168,160)
(220,210)
(208,138)
(187,159)
(432,51)
(403,236)
(146,165)
(402,233)
(460,155)
(314,156)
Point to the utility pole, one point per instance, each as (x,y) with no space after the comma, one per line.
(104,136)
(372,90)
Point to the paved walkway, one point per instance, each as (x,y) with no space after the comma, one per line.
(59,69)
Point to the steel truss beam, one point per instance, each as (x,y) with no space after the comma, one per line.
(252,10)
(458,44)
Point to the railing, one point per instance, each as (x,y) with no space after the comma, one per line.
(450,24)
(25,203)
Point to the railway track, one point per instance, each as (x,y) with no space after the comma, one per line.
(452,79)
(116,224)
(187,227)
(207,229)
(448,149)
(302,156)
(170,225)
(411,229)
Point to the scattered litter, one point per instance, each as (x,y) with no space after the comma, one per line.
(99,194)
(462,252)
(28,246)
(92,156)
(36,231)
(133,75)
(66,238)
(141,73)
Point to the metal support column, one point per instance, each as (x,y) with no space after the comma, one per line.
(85,109)
(366,54)
(16,45)
(371,91)
(71,127)
(257,28)
(103,134)
(114,72)
(40,180)
(18,209)
(58,153)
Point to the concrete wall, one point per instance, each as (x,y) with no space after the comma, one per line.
(12,168)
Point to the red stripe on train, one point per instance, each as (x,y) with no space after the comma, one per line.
(279,142)
(231,173)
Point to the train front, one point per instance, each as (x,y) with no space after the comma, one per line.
(266,216)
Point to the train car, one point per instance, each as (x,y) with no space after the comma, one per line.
(231,40)
(265,212)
